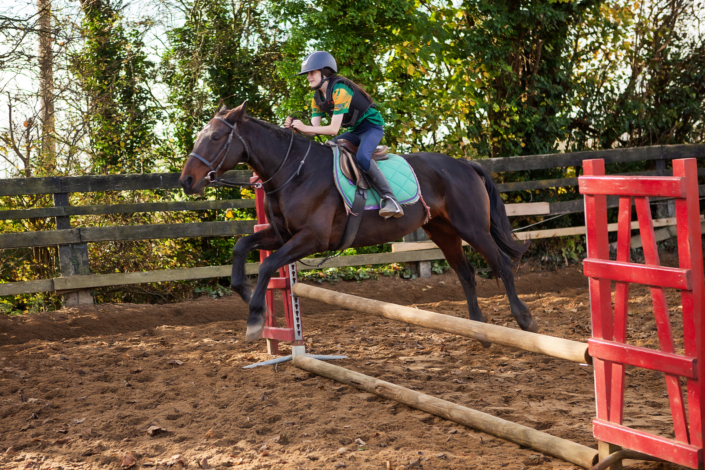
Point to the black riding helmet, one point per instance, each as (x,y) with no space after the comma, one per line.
(318,61)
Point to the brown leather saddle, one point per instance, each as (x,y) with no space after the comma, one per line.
(348,162)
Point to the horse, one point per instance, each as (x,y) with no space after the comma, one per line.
(461,203)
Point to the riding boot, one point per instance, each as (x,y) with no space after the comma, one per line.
(388,205)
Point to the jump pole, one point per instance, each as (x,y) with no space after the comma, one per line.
(572,452)
(541,344)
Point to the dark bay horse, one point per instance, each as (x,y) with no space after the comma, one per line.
(309,212)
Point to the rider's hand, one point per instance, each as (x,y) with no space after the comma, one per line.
(287,123)
(296,124)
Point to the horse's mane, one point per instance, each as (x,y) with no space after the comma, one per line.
(285,134)
(277,130)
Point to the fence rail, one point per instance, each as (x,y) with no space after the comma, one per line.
(126,233)
(106,209)
(92,184)
(72,240)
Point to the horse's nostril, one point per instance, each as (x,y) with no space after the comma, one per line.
(187,182)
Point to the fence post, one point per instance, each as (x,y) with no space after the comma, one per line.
(73,259)
(420,268)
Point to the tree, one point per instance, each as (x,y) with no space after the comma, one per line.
(384,47)
(224,52)
(650,86)
(115,72)
(46,83)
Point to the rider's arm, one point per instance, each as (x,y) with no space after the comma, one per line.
(331,129)
(315,122)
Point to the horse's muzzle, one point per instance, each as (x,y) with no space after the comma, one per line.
(186,183)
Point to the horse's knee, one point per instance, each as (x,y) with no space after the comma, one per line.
(242,287)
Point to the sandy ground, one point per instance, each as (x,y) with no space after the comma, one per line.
(163,384)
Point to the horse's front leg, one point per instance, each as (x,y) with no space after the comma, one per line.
(301,244)
(263,240)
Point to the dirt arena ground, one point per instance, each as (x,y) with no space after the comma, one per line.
(159,386)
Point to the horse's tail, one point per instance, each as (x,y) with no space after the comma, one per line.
(500,228)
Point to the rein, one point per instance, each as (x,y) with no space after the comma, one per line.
(212,178)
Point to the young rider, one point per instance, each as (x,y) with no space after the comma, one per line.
(349,106)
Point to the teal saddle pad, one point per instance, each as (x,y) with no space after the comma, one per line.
(399,173)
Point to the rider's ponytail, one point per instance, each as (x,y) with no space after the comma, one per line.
(329,72)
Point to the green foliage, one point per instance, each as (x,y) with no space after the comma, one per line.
(469,78)
(115,72)
(354,273)
(223,51)
(500,78)
(214,291)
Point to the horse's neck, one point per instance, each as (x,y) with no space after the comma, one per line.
(267,151)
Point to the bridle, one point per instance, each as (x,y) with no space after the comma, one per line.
(212,178)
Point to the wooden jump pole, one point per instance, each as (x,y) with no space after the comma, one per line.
(542,344)
(522,435)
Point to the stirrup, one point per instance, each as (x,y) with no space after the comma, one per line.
(399,212)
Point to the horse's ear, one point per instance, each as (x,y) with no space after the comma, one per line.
(238,114)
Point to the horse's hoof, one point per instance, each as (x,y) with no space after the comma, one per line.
(254,330)
(533,327)
(485,344)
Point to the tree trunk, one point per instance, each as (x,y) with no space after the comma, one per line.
(46,86)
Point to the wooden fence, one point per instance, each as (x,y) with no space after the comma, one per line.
(76,279)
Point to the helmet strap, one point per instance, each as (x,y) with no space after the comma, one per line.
(323,80)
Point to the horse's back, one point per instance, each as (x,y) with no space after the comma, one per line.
(437,169)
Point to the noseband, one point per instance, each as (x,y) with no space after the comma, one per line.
(223,151)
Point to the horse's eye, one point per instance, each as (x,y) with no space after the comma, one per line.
(216,136)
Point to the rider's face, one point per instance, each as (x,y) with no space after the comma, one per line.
(314,78)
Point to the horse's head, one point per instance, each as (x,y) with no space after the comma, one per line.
(218,148)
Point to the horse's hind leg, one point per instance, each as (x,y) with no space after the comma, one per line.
(450,243)
(500,263)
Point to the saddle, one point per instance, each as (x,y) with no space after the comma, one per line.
(348,162)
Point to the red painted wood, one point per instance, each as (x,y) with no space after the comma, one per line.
(638,356)
(659,276)
(270,319)
(665,186)
(609,333)
(279,334)
(278,283)
(667,449)
(600,295)
(287,299)
(663,322)
(691,257)
(621,307)
(282,283)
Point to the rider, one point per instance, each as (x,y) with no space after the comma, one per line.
(350,106)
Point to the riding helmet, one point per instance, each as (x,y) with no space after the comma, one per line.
(317,61)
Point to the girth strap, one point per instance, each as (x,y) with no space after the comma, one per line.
(354,219)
